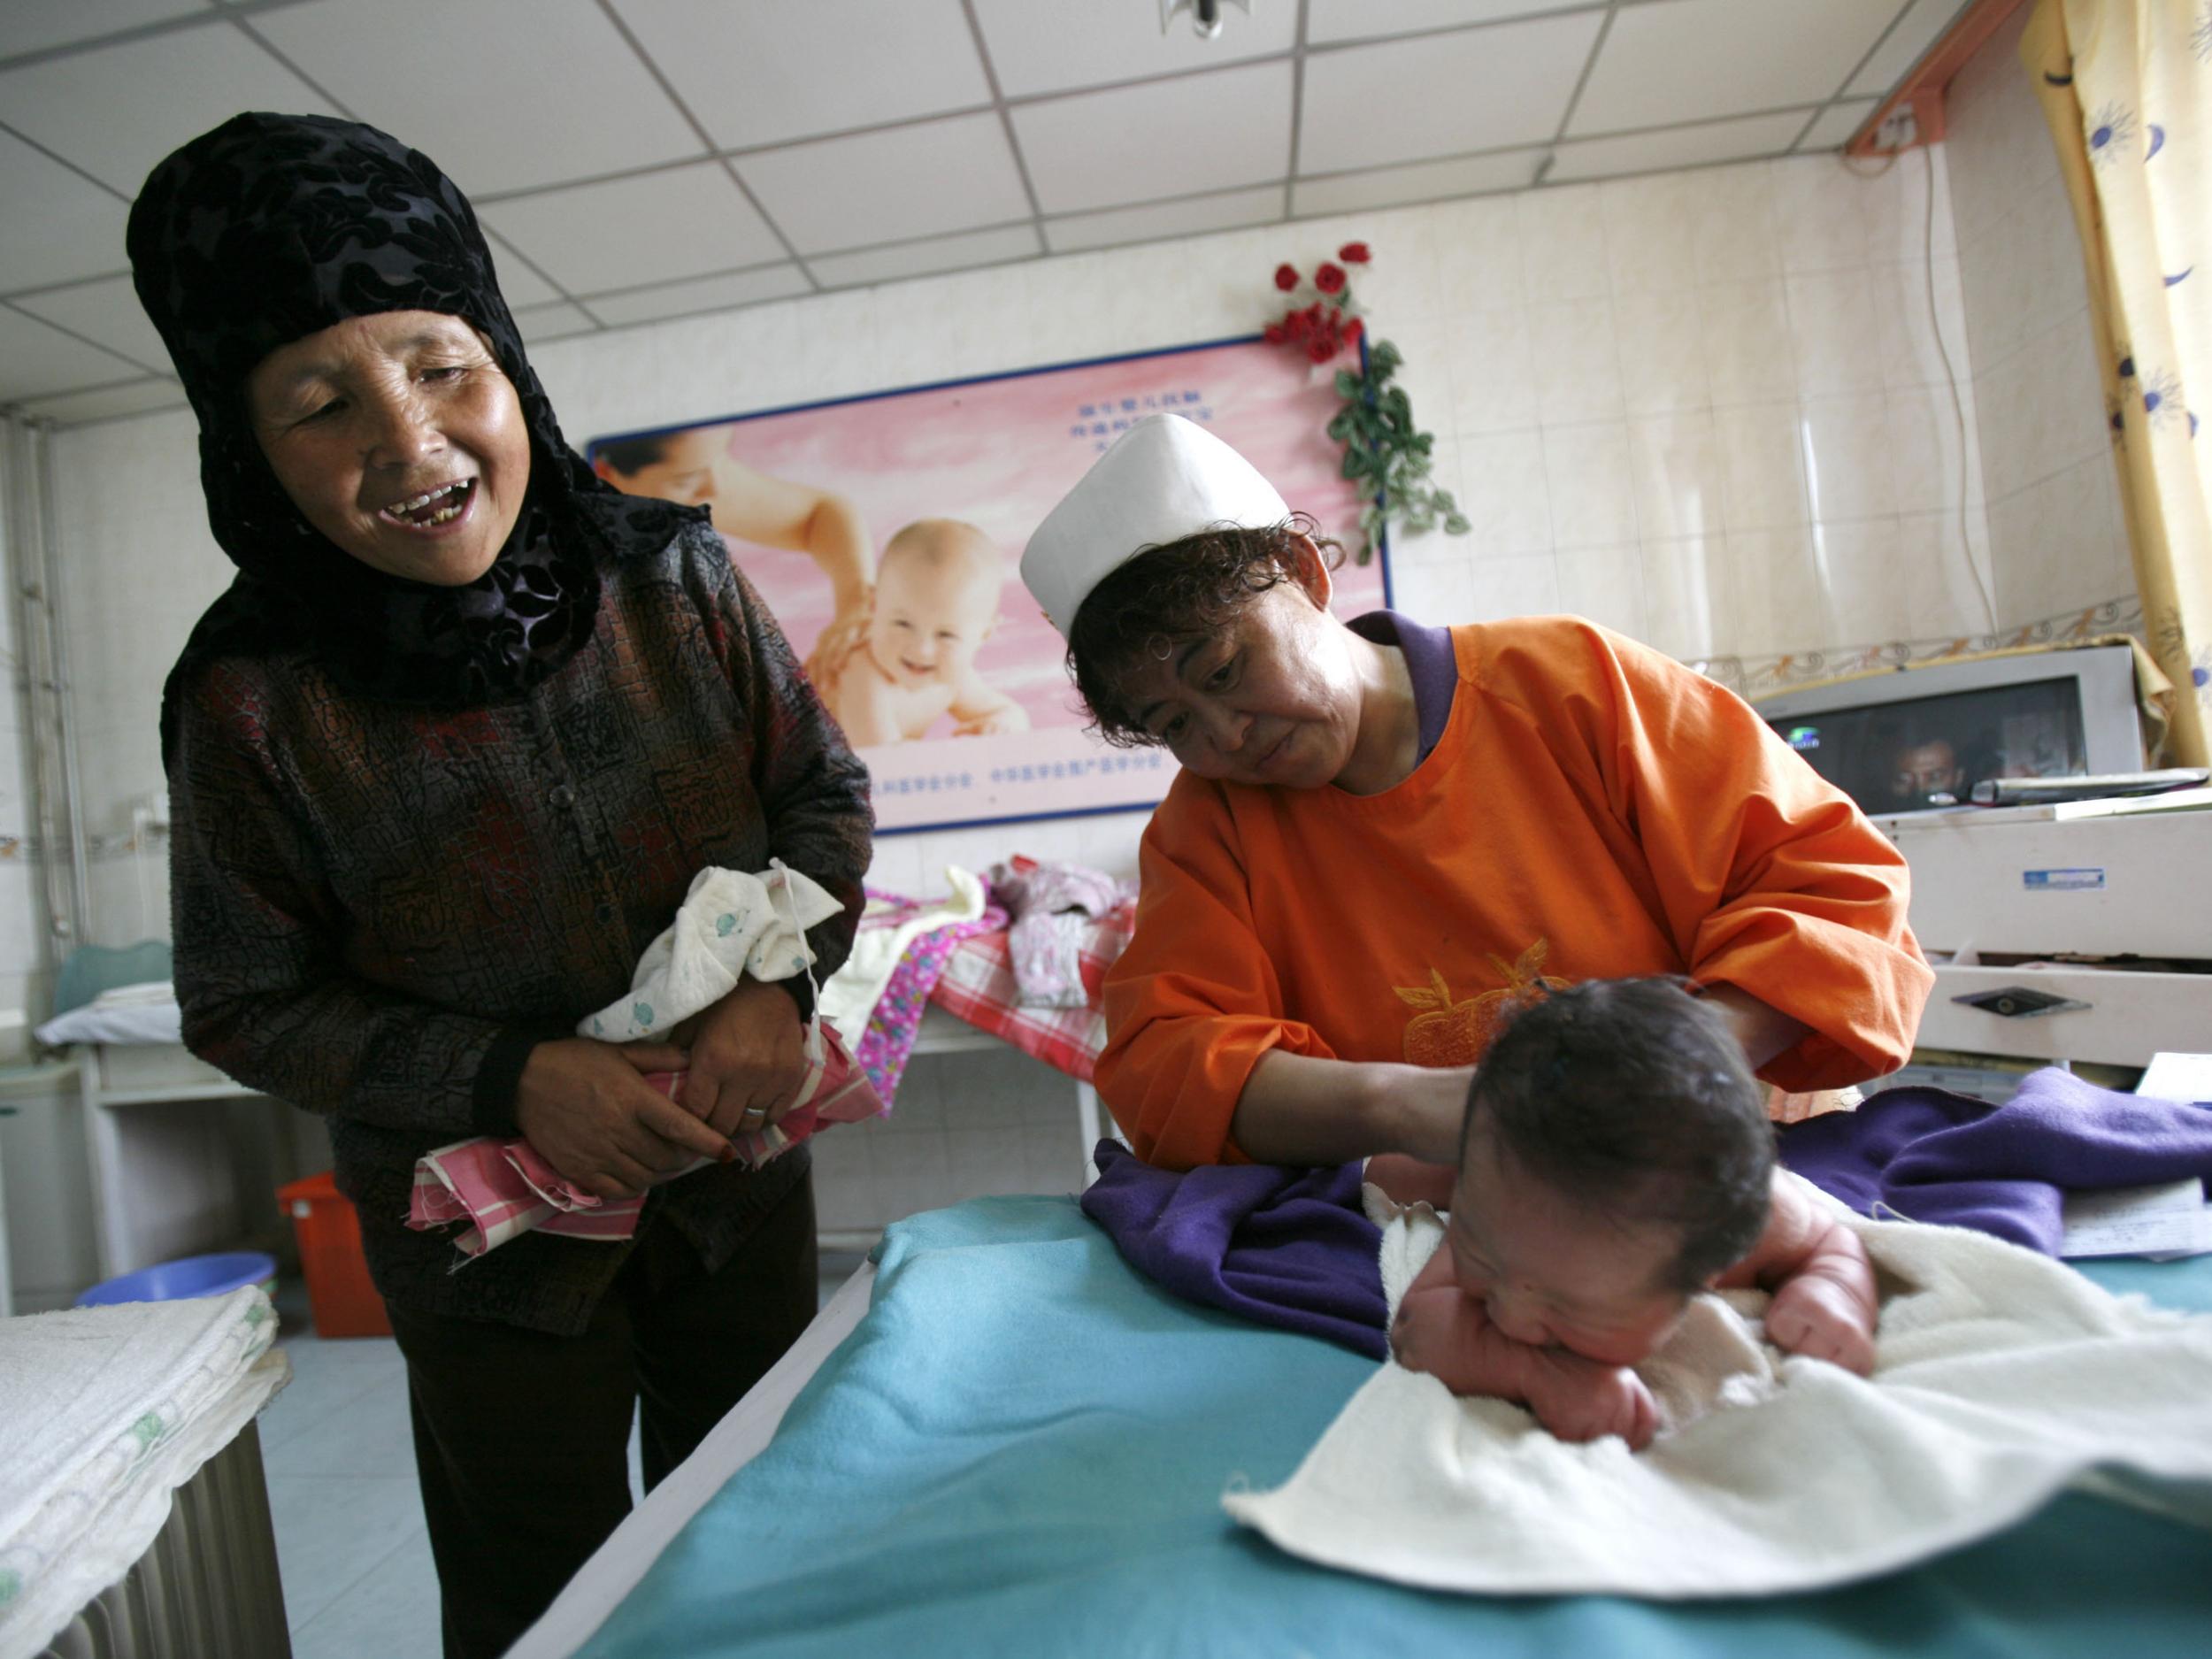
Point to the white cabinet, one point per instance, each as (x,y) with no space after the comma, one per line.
(2060,896)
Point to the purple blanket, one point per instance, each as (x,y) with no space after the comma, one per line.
(1931,1155)
(1285,1247)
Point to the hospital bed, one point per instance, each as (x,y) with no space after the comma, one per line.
(998,1439)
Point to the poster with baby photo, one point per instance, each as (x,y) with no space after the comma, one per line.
(885,533)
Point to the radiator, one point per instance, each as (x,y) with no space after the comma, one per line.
(207,1586)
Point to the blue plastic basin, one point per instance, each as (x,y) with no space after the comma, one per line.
(179,1280)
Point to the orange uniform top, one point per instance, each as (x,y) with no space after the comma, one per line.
(1593,809)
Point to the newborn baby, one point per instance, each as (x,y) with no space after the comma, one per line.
(936,601)
(1615,1159)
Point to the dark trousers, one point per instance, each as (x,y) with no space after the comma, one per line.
(521,1438)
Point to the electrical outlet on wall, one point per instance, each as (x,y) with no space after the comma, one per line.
(1898,130)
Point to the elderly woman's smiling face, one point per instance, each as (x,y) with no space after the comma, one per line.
(398,436)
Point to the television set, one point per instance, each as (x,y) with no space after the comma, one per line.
(1919,739)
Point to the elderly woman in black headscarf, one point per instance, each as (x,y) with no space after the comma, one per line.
(443,760)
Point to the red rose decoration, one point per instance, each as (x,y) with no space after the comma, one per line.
(1353,253)
(1276,333)
(1286,277)
(1321,348)
(1330,278)
(1353,330)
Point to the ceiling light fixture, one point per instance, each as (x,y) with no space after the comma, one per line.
(1205,15)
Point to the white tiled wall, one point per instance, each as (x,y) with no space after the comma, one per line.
(1708,408)
(2055,524)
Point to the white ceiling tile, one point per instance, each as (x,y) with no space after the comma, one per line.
(35,360)
(1485,89)
(107,313)
(1364,20)
(135,397)
(541,324)
(1916,31)
(1686,60)
(761,72)
(1837,123)
(1164,138)
(60,223)
(920,258)
(657,227)
(504,95)
(701,293)
(32,26)
(1676,147)
(890,186)
(1052,45)
(1422,181)
(115,111)
(1197,217)
(518,282)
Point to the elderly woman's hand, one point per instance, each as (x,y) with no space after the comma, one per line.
(748,1059)
(588,1109)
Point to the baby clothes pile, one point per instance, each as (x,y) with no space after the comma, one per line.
(1054,906)
(2001,1377)
(104,1413)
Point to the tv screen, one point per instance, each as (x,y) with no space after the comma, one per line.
(1932,751)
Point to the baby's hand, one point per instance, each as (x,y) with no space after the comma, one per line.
(1008,718)
(1580,1400)
(1818,1318)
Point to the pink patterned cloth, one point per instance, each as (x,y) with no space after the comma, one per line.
(503,1188)
(1054,904)
(978,984)
(887,1043)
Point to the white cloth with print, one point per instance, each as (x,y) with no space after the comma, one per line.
(730,923)
(2001,1377)
(852,993)
(104,1413)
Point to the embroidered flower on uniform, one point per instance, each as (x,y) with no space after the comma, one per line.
(2109,131)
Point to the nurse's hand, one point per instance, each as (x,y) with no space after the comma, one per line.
(748,1059)
(588,1109)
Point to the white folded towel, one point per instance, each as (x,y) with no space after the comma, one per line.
(104,1413)
(2001,1377)
(729,924)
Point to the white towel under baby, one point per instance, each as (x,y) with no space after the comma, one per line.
(104,1413)
(2002,1376)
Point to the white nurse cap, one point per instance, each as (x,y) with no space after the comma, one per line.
(1164,478)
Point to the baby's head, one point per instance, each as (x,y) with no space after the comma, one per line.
(1616,1156)
(679,467)
(937,592)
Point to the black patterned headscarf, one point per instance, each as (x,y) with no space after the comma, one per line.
(272,227)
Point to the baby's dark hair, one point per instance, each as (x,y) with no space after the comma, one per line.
(1166,596)
(631,456)
(1633,1096)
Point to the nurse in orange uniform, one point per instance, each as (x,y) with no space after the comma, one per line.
(1385,833)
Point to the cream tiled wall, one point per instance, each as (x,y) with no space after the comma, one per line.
(2055,525)
(1708,408)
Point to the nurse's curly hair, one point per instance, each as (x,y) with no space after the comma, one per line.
(1167,596)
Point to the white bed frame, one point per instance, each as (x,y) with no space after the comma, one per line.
(614,1570)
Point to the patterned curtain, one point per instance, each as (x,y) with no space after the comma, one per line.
(2126,87)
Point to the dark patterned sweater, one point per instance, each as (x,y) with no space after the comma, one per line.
(378,910)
